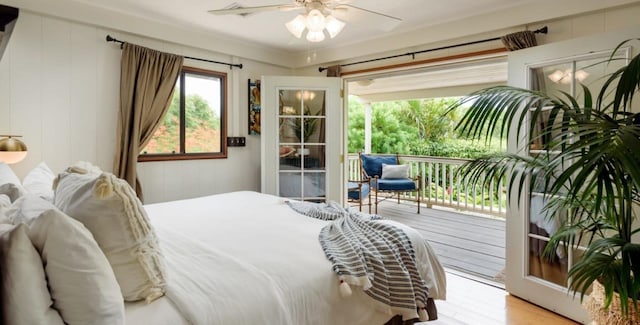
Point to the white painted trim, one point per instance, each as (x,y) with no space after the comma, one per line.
(518,282)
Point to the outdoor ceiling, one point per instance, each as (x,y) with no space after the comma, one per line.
(446,81)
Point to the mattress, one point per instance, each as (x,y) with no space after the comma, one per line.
(247,258)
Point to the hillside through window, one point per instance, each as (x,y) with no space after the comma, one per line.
(194,127)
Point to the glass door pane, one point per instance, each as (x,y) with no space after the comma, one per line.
(555,79)
(302,143)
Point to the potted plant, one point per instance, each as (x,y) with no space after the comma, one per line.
(589,172)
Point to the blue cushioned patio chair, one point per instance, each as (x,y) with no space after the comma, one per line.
(371,169)
(358,191)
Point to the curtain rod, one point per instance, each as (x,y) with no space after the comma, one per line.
(542,30)
(231,65)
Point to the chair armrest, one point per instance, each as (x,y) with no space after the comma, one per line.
(357,181)
(418,181)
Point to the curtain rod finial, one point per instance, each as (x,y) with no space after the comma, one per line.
(320,69)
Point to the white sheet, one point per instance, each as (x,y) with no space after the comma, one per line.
(247,258)
(161,311)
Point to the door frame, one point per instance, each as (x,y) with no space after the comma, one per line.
(270,85)
(518,282)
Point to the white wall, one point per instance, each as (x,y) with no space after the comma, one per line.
(59,89)
(560,29)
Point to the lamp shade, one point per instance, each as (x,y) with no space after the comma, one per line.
(297,26)
(315,23)
(334,25)
(315,36)
(12,150)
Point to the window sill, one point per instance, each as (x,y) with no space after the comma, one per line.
(181,156)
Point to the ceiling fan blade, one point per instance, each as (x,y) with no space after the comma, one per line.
(359,15)
(237,9)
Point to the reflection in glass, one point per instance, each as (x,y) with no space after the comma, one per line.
(552,79)
(554,269)
(302,144)
(595,69)
(302,186)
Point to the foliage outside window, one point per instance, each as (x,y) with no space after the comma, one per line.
(415,127)
(194,126)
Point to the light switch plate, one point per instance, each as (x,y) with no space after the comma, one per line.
(236,141)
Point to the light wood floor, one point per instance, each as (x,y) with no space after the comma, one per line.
(473,303)
(471,248)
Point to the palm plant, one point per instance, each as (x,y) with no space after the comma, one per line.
(306,127)
(589,169)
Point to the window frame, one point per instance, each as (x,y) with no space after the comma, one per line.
(182,155)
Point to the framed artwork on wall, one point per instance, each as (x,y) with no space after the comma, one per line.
(254,107)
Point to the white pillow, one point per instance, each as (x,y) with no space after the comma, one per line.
(7,175)
(13,191)
(5,204)
(10,183)
(39,181)
(395,171)
(82,284)
(25,298)
(110,209)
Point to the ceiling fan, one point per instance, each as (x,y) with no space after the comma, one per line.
(318,15)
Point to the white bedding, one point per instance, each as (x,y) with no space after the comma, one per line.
(247,258)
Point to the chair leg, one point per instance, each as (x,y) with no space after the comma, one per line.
(418,198)
(376,202)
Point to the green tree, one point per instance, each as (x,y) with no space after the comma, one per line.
(388,135)
(429,118)
(414,127)
(199,114)
(202,126)
(355,130)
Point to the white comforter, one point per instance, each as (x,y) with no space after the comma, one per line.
(247,258)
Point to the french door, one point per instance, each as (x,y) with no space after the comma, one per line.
(553,68)
(302,142)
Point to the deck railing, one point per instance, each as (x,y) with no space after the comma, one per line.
(442,187)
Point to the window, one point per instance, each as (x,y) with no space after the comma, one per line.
(194,127)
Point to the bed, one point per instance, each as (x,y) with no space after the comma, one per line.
(248,258)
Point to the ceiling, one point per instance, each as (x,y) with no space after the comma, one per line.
(262,37)
(267,28)
(444,81)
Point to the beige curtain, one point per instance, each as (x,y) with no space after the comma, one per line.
(519,40)
(147,79)
(334,71)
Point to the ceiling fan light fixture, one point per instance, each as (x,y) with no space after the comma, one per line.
(315,21)
(334,25)
(297,26)
(315,36)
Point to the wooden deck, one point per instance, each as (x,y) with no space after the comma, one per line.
(474,245)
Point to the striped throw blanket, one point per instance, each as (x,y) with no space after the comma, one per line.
(374,255)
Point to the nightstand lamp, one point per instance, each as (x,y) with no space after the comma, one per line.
(12,150)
